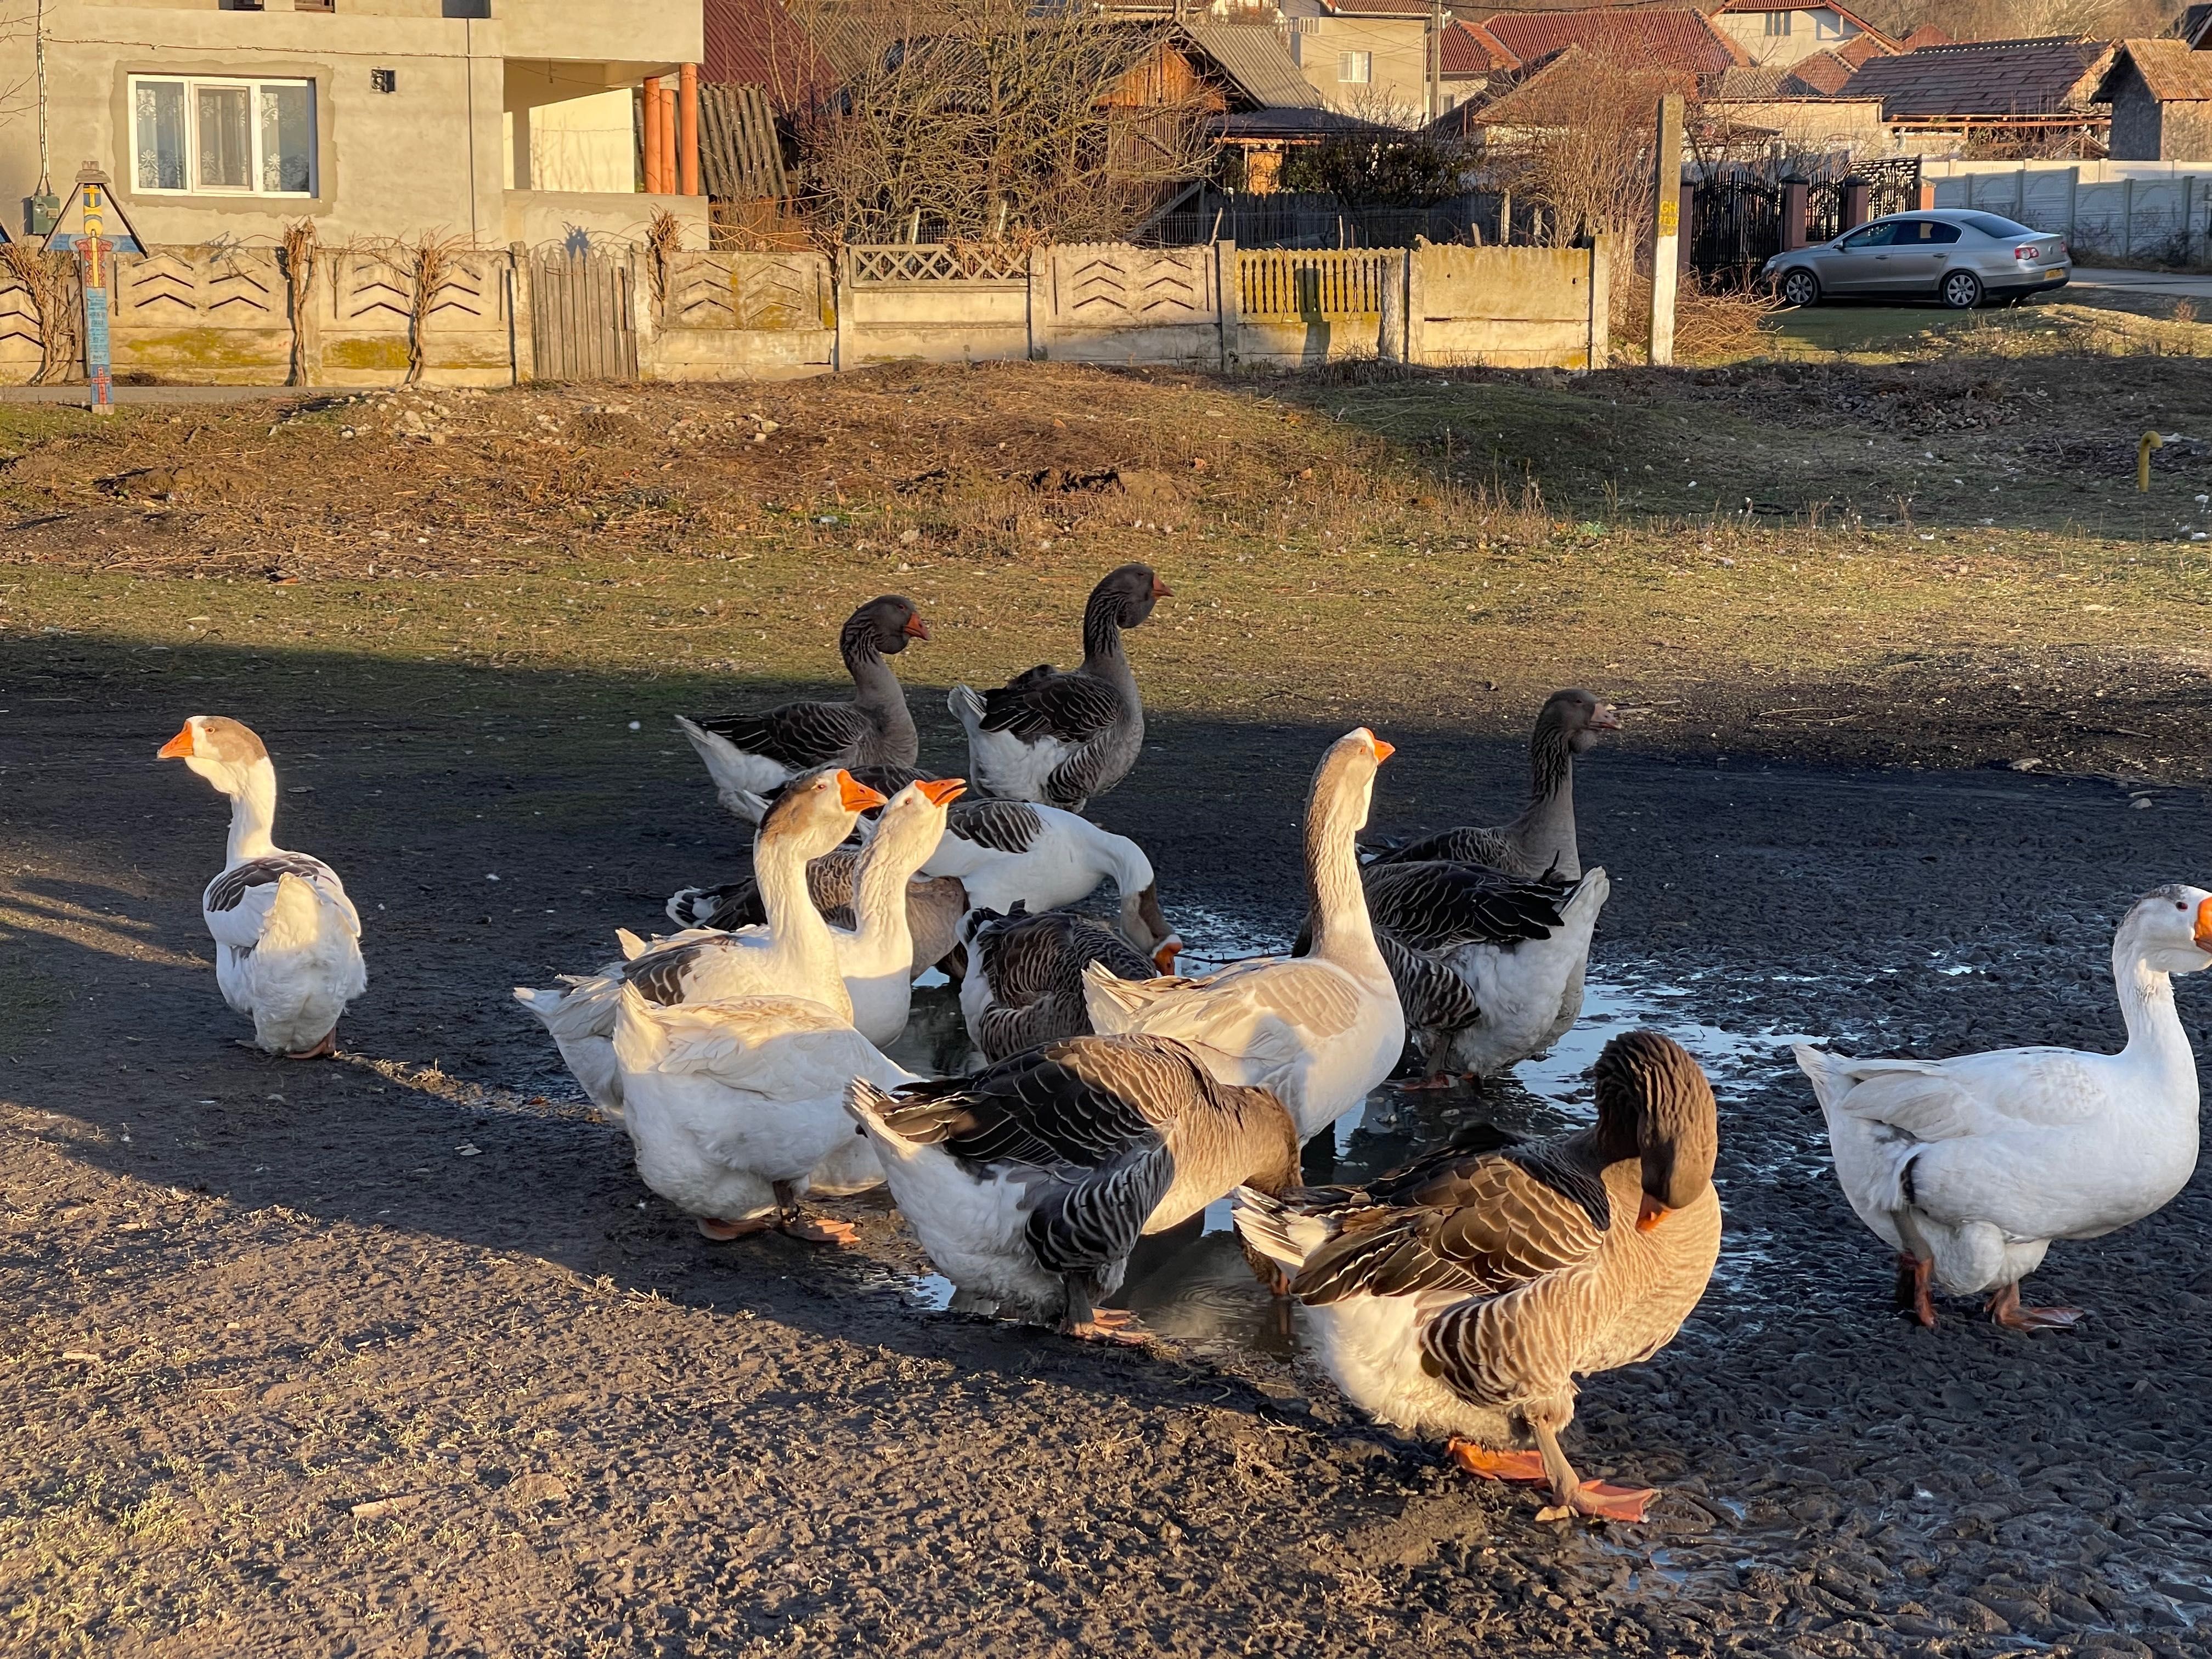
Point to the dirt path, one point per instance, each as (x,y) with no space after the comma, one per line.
(398,1357)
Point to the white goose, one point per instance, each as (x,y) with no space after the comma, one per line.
(287,938)
(795,954)
(1006,853)
(1321,1030)
(1968,1168)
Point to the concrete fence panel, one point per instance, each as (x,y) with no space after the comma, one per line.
(1299,308)
(1520,308)
(21,348)
(933,302)
(206,316)
(1114,302)
(741,316)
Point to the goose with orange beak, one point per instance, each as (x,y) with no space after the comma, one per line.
(1461,1297)
(858,971)
(1969,1167)
(287,938)
(1320,1030)
(735,1101)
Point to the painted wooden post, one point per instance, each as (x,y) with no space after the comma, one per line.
(1667,228)
(93,253)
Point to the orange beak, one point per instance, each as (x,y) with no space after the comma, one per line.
(1165,957)
(1382,750)
(1161,590)
(180,747)
(854,795)
(1650,1214)
(2203,920)
(943,792)
(915,629)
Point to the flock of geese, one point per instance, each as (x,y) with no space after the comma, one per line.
(1459,1297)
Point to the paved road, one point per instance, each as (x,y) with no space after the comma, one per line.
(2182,284)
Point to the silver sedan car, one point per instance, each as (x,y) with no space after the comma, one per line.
(1958,256)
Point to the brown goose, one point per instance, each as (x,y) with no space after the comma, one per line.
(1541,840)
(1063,738)
(748,755)
(1024,984)
(1029,1183)
(1462,1296)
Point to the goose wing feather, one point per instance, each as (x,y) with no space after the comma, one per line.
(1003,826)
(1437,906)
(1488,847)
(798,735)
(1044,702)
(1434,997)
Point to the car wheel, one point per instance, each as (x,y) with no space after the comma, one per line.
(1962,290)
(1800,287)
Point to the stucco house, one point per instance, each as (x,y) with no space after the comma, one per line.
(1770,33)
(1365,57)
(2160,92)
(492,121)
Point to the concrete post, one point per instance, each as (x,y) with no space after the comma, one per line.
(1923,200)
(1390,344)
(1599,353)
(1796,208)
(645,317)
(1858,193)
(1416,302)
(2128,217)
(1229,293)
(521,313)
(1667,228)
(1039,291)
(841,356)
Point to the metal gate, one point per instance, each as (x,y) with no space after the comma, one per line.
(1737,210)
(582,323)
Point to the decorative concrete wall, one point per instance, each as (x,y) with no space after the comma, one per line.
(366,316)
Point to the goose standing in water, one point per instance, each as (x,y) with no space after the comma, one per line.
(1319,1030)
(287,938)
(1066,738)
(1024,984)
(1462,1296)
(1029,1183)
(1541,840)
(1968,1168)
(748,755)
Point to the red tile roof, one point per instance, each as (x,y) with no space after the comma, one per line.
(1926,35)
(757,43)
(1823,74)
(1379,8)
(1673,38)
(1861,48)
(1471,49)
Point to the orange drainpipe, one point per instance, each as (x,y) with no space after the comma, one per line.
(653,116)
(668,136)
(687,128)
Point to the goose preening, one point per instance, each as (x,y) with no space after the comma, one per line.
(1029,1183)
(1320,1030)
(1066,738)
(1024,984)
(1462,1296)
(1968,1168)
(737,1109)
(795,954)
(1489,968)
(1541,840)
(287,938)
(1006,853)
(749,755)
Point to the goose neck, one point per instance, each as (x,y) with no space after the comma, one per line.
(1336,900)
(1102,654)
(1545,831)
(879,885)
(806,955)
(253,812)
(2156,1036)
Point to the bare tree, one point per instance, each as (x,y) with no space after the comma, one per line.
(1580,145)
(2009,19)
(984,119)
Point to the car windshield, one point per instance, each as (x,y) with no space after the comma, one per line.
(2002,230)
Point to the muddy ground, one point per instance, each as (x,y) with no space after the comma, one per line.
(396,1356)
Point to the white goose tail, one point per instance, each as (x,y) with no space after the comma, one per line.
(967,707)
(735,775)
(1281,1234)
(1119,1006)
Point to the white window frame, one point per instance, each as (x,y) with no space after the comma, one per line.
(1362,61)
(253,85)
(1778,25)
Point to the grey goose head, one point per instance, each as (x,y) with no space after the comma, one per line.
(1128,592)
(883,626)
(1577,717)
(1654,1104)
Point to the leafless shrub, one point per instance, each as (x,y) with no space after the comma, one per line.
(980,120)
(50,281)
(1582,150)
(300,247)
(663,237)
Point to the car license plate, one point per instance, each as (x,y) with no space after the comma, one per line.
(2052,276)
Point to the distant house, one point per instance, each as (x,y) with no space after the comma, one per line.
(2160,95)
(1678,38)
(375,120)
(1768,32)
(1365,57)
(2015,97)
(1474,62)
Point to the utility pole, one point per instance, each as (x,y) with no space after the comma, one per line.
(1667,227)
(1436,58)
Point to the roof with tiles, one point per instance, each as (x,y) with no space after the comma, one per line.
(1985,78)
(1471,49)
(2172,73)
(1673,37)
